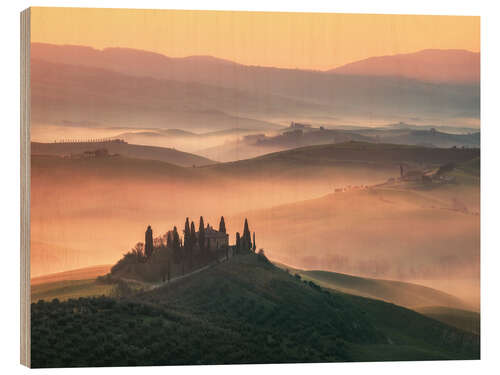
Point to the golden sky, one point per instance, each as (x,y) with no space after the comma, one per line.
(289,40)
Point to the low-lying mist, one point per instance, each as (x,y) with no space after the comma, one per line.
(90,212)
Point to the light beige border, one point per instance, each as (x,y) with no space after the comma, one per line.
(25,188)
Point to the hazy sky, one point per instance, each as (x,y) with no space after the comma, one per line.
(291,40)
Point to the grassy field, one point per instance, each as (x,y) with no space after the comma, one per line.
(469,321)
(400,293)
(242,311)
(77,274)
(428,301)
(66,289)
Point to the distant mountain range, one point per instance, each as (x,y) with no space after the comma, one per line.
(132,88)
(431,65)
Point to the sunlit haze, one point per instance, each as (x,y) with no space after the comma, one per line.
(290,40)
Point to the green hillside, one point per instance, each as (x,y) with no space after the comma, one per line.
(242,311)
(49,167)
(372,159)
(75,274)
(397,292)
(66,289)
(469,321)
(355,151)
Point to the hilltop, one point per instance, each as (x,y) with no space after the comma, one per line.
(76,274)
(302,135)
(168,155)
(433,65)
(400,293)
(352,154)
(427,301)
(242,311)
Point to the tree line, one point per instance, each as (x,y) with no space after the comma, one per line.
(187,251)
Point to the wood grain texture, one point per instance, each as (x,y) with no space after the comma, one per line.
(25,350)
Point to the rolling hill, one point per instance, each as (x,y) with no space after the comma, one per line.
(68,289)
(77,274)
(261,144)
(242,311)
(375,155)
(469,321)
(168,155)
(400,293)
(199,92)
(379,233)
(432,65)
(428,301)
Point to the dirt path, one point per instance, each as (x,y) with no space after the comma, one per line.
(151,286)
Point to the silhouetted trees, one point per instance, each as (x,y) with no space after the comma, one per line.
(187,235)
(156,254)
(138,250)
(238,241)
(149,242)
(246,239)
(201,235)
(189,241)
(134,256)
(176,241)
(222,225)
(158,243)
(193,234)
(177,246)
(169,240)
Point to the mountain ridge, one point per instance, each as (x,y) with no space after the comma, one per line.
(434,65)
(54,52)
(250,97)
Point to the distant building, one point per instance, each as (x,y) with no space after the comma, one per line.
(100,153)
(296,125)
(297,129)
(293,133)
(214,239)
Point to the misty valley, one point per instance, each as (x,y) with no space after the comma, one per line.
(194,210)
(363,213)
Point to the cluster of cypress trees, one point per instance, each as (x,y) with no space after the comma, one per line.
(183,251)
(245,242)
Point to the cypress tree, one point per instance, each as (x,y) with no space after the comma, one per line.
(187,235)
(247,239)
(222,225)
(238,241)
(148,249)
(176,241)
(254,245)
(169,239)
(193,234)
(201,234)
